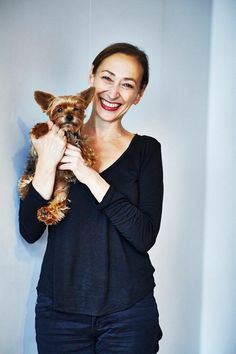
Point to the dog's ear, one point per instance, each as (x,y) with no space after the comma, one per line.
(43,99)
(87,95)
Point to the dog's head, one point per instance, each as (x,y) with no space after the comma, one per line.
(66,112)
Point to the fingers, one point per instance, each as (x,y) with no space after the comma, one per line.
(71,156)
(53,127)
(66,159)
(50,124)
(56,130)
(61,133)
(65,166)
(73,147)
(32,138)
(72,152)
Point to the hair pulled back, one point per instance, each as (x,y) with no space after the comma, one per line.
(128,49)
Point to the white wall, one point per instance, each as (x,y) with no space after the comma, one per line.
(219,286)
(49,45)
(182,112)
(42,47)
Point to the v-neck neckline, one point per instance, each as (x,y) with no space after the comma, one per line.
(121,156)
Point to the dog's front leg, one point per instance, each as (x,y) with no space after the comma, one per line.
(57,208)
(39,129)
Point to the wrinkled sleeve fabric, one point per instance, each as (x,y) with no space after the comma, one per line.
(139,224)
(30,227)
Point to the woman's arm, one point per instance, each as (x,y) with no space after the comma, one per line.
(138,224)
(30,227)
(50,149)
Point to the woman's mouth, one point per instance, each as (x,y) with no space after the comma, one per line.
(109,106)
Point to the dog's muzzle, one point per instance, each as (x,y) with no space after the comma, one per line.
(69,118)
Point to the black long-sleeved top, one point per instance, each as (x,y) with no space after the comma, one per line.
(96,261)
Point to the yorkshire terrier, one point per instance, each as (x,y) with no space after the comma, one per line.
(68,113)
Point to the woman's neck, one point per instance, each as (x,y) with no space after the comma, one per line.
(102,130)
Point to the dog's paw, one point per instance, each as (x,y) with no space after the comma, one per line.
(53,213)
(46,215)
(39,129)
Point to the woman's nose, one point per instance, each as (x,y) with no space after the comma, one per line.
(114,92)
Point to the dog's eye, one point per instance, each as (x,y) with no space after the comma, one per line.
(59,109)
(76,109)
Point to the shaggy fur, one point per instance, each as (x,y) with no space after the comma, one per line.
(67,112)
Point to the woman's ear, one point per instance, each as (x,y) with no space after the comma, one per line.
(91,76)
(139,96)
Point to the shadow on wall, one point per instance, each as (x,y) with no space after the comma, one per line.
(29,254)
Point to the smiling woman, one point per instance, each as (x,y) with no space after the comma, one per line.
(95,292)
(117,82)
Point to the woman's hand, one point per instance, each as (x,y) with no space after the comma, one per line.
(50,147)
(73,161)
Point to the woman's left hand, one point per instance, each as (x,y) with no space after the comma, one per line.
(73,161)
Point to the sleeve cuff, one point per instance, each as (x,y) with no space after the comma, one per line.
(107,199)
(34,197)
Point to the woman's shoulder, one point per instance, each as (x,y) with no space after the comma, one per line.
(147,147)
(148,141)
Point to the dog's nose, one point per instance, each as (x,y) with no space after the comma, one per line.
(69,118)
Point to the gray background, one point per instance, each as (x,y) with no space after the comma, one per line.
(188,106)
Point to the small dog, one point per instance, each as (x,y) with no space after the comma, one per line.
(68,113)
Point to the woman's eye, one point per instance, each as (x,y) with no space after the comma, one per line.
(128,85)
(59,109)
(106,78)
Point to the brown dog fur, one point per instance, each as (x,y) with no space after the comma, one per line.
(67,112)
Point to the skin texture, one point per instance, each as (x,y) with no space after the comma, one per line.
(52,144)
(117,87)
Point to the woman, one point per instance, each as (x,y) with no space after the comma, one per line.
(95,292)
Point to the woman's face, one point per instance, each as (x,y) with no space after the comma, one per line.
(117,83)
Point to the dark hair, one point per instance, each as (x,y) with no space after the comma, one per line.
(128,49)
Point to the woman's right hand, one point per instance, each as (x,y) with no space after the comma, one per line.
(50,147)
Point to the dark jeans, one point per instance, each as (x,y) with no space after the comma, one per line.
(134,330)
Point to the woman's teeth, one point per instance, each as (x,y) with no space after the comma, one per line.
(109,106)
